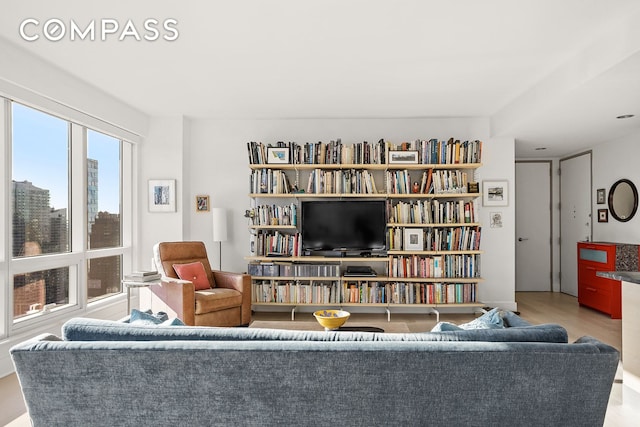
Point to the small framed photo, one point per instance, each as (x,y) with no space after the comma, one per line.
(495,193)
(399,157)
(413,239)
(162,195)
(603,215)
(202,203)
(496,219)
(600,196)
(277,155)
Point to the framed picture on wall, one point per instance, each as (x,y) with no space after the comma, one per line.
(603,215)
(162,195)
(495,193)
(202,203)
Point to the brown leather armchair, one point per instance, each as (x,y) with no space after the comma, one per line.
(226,303)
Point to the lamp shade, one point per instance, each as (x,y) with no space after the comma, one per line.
(219,224)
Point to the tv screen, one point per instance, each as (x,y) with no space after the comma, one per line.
(343,225)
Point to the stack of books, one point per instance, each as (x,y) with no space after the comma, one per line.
(142,276)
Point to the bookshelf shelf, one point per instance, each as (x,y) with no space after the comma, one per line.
(429,208)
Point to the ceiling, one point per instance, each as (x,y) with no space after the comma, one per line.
(550,73)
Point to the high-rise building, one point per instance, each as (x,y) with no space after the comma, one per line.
(104,273)
(92,192)
(30,216)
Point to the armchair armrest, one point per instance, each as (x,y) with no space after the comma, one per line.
(240,282)
(179,296)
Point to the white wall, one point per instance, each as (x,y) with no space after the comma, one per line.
(614,160)
(161,156)
(219,168)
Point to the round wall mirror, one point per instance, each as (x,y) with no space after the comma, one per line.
(623,200)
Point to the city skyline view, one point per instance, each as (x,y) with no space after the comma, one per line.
(41,151)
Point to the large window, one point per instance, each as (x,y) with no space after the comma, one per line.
(40,185)
(103,212)
(67,216)
(40,206)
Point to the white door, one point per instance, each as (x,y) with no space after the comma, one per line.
(533,226)
(575,216)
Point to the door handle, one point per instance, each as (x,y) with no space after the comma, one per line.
(521,239)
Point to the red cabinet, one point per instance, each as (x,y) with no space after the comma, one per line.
(598,292)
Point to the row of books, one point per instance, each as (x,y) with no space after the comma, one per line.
(432,151)
(333,292)
(326,292)
(432,211)
(437,239)
(333,152)
(274,215)
(275,243)
(432,293)
(435,266)
(142,276)
(269,181)
(431,182)
(352,181)
(287,269)
(348,181)
(452,151)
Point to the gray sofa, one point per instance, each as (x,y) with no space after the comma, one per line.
(104,373)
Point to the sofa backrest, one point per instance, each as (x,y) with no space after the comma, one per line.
(85,329)
(293,382)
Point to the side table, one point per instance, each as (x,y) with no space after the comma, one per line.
(133,284)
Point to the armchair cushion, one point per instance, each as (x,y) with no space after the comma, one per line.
(215,299)
(194,272)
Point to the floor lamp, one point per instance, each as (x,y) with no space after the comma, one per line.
(219,230)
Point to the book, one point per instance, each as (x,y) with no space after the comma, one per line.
(147,278)
(142,273)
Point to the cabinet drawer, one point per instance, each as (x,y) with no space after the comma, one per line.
(595,297)
(587,274)
(602,257)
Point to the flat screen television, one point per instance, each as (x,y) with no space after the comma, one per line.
(343,225)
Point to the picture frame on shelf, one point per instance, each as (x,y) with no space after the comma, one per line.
(603,215)
(202,203)
(495,193)
(601,196)
(277,155)
(403,157)
(162,195)
(413,239)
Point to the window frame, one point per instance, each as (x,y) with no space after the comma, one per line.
(78,257)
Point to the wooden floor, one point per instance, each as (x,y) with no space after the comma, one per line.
(535,307)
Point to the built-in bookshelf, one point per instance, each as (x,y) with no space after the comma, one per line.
(432,256)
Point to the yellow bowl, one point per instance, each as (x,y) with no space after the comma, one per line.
(331,319)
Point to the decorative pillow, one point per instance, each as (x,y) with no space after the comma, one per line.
(489,320)
(511,320)
(172,322)
(147,317)
(193,272)
(445,327)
